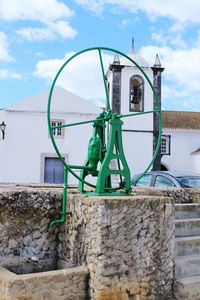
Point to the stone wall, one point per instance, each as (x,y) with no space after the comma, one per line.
(28,245)
(179,195)
(195,195)
(127,243)
(25,214)
(71,284)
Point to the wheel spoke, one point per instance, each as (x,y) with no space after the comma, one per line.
(78,123)
(104,80)
(138,113)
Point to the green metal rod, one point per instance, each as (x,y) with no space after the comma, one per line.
(104,80)
(63,212)
(77,123)
(77,167)
(118,163)
(136,114)
(103,119)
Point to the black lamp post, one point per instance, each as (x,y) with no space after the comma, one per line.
(3,127)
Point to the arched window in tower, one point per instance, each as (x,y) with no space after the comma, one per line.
(136,93)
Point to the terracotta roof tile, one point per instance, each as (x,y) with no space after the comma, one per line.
(181,119)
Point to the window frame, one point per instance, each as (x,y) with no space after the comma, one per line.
(166,178)
(151,176)
(167,139)
(61,130)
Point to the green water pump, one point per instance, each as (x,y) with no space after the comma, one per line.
(105,147)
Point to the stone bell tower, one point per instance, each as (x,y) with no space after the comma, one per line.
(130,93)
(128,87)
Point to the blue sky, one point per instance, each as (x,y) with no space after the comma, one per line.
(37,36)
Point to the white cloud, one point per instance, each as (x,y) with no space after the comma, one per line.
(178,27)
(81,76)
(51,15)
(40,10)
(93,5)
(182,10)
(61,28)
(181,74)
(35,34)
(127,22)
(4,53)
(169,38)
(6,74)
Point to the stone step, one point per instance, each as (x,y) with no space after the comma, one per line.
(187,210)
(187,288)
(187,227)
(189,245)
(187,266)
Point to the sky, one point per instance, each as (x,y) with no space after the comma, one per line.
(37,37)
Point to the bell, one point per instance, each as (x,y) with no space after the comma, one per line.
(136,100)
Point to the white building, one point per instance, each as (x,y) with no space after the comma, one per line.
(181,141)
(27,154)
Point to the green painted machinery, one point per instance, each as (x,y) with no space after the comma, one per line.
(101,151)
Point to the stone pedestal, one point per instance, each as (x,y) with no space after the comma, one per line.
(127,243)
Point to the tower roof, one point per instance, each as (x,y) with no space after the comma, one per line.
(157,63)
(116,60)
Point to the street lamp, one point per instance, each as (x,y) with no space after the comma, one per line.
(3,127)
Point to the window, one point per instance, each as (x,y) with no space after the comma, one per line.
(136,93)
(162,181)
(144,181)
(57,131)
(189,182)
(165,144)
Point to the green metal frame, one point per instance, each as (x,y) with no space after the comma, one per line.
(99,153)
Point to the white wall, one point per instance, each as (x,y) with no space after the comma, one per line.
(27,139)
(196,162)
(183,143)
(138,150)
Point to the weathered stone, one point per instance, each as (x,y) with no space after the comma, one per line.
(36,235)
(13,244)
(27,240)
(128,241)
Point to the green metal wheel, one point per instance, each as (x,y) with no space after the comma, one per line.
(99,150)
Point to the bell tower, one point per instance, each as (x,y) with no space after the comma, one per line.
(130,92)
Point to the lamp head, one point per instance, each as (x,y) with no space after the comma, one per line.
(3,127)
